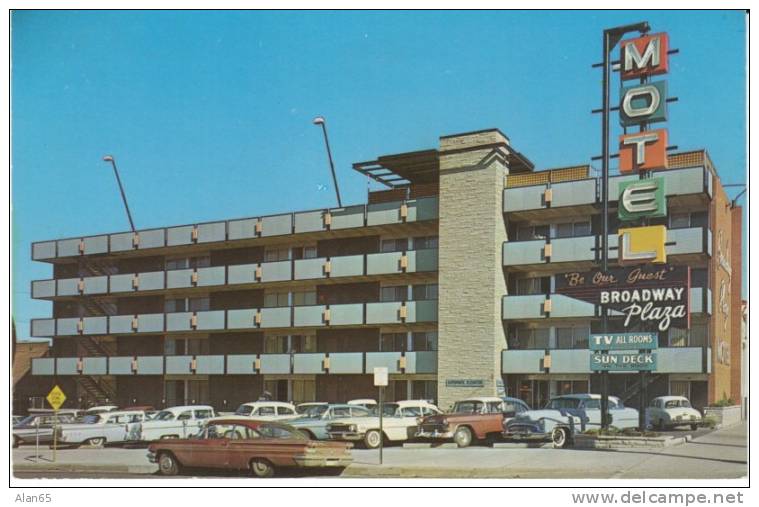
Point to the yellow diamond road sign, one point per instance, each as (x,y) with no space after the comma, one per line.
(56,398)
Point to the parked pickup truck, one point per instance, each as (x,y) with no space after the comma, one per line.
(173,422)
(97,430)
(471,419)
(565,416)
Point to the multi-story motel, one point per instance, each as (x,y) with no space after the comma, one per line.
(447,278)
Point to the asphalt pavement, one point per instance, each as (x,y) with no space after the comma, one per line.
(710,454)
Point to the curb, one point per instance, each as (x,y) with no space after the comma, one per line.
(429,445)
(522,445)
(77,468)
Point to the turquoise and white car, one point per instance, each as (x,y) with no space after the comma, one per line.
(565,416)
(314,421)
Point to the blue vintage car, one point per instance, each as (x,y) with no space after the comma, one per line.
(313,422)
(566,415)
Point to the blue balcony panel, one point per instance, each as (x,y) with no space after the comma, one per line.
(150,365)
(309,269)
(309,315)
(94,366)
(209,365)
(212,232)
(42,327)
(179,278)
(96,285)
(522,361)
(308,363)
(66,366)
(210,277)
(211,320)
(276,271)
(150,322)
(241,319)
(390,360)
(178,365)
(179,235)
(43,288)
(242,229)
(346,315)
(348,265)
(309,221)
(68,287)
(241,273)
(120,365)
(44,250)
(680,360)
(348,217)
(275,363)
(277,225)
(421,362)
(384,213)
(179,321)
(275,317)
(346,362)
(570,361)
(241,364)
(43,366)
(68,247)
(95,325)
(96,245)
(68,327)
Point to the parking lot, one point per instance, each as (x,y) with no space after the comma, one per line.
(710,454)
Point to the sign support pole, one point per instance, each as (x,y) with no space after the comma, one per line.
(381,410)
(55,433)
(611,37)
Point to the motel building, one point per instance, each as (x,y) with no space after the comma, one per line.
(454,277)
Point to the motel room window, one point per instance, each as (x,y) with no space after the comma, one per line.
(304,252)
(392,342)
(201,261)
(304,298)
(275,344)
(394,245)
(685,220)
(532,232)
(396,293)
(424,340)
(529,286)
(424,292)
(276,299)
(186,346)
(276,254)
(532,338)
(302,343)
(196,304)
(425,242)
(571,387)
(572,337)
(678,337)
(572,229)
(424,390)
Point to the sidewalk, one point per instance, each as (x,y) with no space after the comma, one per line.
(109,460)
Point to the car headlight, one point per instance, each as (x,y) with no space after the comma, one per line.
(352,427)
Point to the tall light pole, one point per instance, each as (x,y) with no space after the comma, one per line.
(109,158)
(319,120)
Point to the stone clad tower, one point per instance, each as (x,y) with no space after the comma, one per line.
(471,334)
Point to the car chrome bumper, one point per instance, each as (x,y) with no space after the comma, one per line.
(152,457)
(434,434)
(323,461)
(524,435)
(345,435)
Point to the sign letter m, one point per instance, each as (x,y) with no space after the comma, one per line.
(645,56)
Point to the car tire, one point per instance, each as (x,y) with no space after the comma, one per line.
(372,439)
(462,436)
(97,443)
(694,427)
(168,464)
(560,438)
(659,425)
(261,468)
(16,442)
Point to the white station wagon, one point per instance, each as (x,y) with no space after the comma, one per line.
(103,428)
(399,422)
(173,422)
(670,411)
(268,411)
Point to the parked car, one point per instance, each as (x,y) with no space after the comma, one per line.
(400,421)
(39,427)
(302,408)
(364,402)
(173,422)
(15,419)
(565,416)
(314,422)
(471,419)
(246,444)
(667,412)
(100,409)
(97,430)
(267,410)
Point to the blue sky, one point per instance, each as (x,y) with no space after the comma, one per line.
(209,113)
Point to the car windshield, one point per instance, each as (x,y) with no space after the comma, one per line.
(89,419)
(27,420)
(468,407)
(244,410)
(677,403)
(314,411)
(562,403)
(388,409)
(164,415)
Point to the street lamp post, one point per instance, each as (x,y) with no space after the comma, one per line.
(319,120)
(109,158)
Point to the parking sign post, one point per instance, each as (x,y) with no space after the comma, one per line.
(380,380)
(55,398)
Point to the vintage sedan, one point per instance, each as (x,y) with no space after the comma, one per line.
(364,402)
(314,422)
(267,411)
(400,421)
(472,419)
(565,416)
(666,412)
(236,443)
(97,430)
(302,408)
(38,427)
(173,422)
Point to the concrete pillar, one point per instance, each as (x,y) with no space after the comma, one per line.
(471,335)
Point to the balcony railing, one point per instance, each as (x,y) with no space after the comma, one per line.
(544,195)
(693,240)
(542,306)
(412,210)
(352,314)
(307,363)
(322,268)
(669,360)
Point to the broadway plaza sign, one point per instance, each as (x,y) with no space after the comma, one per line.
(656,296)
